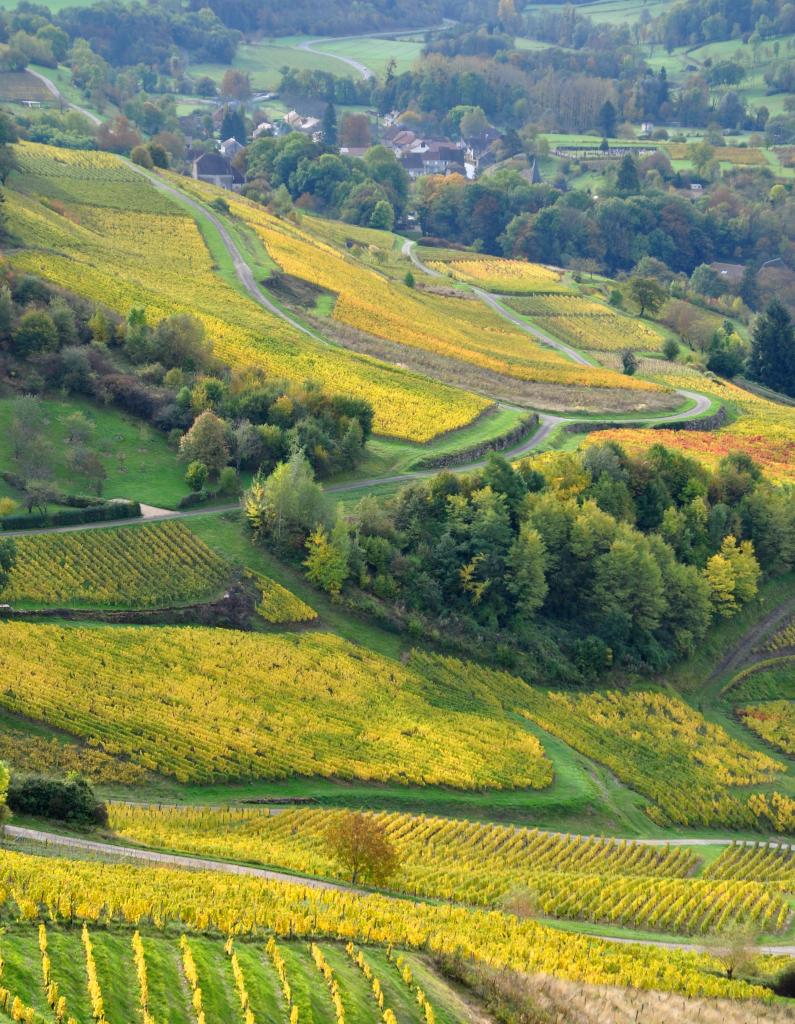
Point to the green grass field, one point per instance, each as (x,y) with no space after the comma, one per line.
(140,465)
(374,53)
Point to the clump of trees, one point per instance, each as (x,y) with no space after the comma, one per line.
(221,421)
(623,560)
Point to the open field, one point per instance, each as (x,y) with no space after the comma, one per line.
(374,53)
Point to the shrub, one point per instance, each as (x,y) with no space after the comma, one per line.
(196,475)
(71,799)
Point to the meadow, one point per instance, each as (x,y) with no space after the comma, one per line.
(136,457)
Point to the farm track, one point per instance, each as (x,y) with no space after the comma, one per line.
(52,88)
(169,860)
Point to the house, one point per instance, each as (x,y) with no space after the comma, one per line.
(298,123)
(354,151)
(216,169)
(696,186)
(230,148)
(412,164)
(264,128)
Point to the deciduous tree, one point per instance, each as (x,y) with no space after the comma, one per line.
(362,849)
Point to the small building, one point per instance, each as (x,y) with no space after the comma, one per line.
(264,128)
(216,169)
(230,148)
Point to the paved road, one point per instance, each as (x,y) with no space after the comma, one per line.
(56,92)
(201,864)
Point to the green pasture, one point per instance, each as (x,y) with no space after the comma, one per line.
(140,465)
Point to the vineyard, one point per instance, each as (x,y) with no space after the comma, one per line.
(509,277)
(663,749)
(199,704)
(458,328)
(583,878)
(277,604)
(763,430)
(96,974)
(588,324)
(56,891)
(773,864)
(774,721)
(137,566)
(146,253)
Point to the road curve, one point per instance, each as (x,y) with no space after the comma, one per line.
(308,46)
(56,92)
(181,862)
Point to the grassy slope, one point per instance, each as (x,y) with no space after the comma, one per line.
(139,463)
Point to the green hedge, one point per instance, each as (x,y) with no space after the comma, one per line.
(73,516)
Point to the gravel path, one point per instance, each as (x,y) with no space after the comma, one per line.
(56,92)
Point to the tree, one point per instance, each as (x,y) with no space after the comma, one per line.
(327,559)
(408,279)
(206,442)
(287,502)
(628,181)
(772,360)
(383,216)
(629,362)
(606,120)
(648,293)
(36,332)
(330,126)
(8,559)
(233,126)
(141,156)
(526,565)
(362,849)
(671,349)
(180,340)
(5,779)
(355,131)
(473,123)
(235,85)
(733,575)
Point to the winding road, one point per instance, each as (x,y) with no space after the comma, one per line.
(548,422)
(308,46)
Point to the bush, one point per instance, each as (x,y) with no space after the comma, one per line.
(73,516)
(784,985)
(196,475)
(71,799)
(141,156)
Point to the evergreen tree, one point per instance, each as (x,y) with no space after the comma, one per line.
(606,119)
(772,359)
(628,181)
(330,127)
(233,126)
